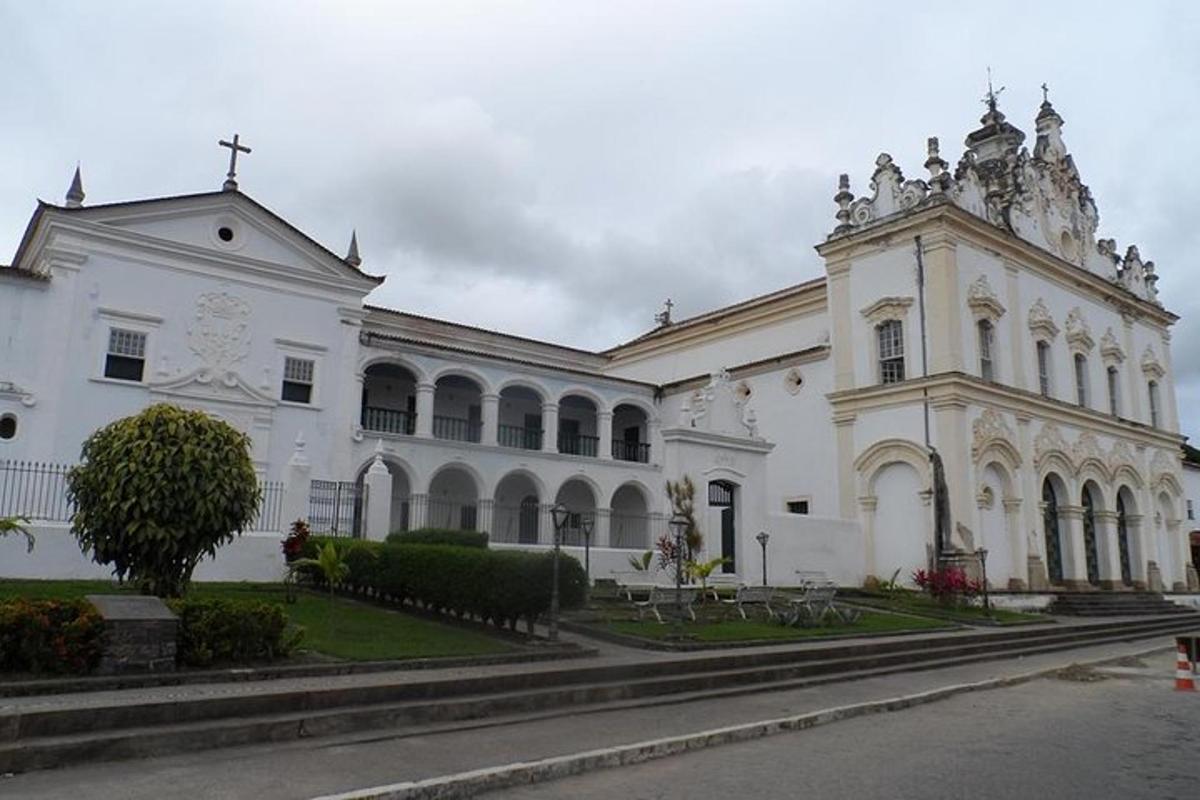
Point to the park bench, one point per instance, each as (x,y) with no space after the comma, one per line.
(665,597)
(722,580)
(752,596)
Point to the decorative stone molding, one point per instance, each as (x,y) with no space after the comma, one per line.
(982,300)
(1120,456)
(1087,450)
(1079,333)
(1049,441)
(985,498)
(1110,348)
(887,308)
(1150,364)
(220,331)
(793,381)
(990,428)
(1041,322)
(889,193)
(22,395)
(1164,469)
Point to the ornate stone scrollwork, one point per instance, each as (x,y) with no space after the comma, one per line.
(1110,348)
(1049,440)
(1120,456)
(793,380)
(886,308)
(982,300)
(1079,333)
(1087,449)
(1041,322)
(1151,365)
(987,428)
(220,331)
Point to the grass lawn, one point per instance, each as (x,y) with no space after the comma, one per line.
(920,604)
(354,631)
(740,631)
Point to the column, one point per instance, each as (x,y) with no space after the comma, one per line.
(1137,551)
(378,481)
(844,425)
(1018,336)
(602,532)
(490,412)
(604,431)
(486,515)
(545,521)
(1016,542)
(1110,549)
(550,427)
(868,506)
(297,477)
(425,392)
(654,431)
(1177,542)
(1070,526)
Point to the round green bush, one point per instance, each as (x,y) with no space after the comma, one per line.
(158,491)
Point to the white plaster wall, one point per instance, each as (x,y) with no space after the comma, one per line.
(888,273)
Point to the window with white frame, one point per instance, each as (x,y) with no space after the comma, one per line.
(986,337)
(297,380)
(1114,392)
(1155,411)
(1081,379)
(890,336)
(126,356)
(1043,362)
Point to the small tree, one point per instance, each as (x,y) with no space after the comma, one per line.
(682,494)
(158,491)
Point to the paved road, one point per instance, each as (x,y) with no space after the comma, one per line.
(1126,736)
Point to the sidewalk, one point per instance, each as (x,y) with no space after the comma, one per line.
(315,767)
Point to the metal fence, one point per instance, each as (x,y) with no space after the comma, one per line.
(37,490)
(335,508)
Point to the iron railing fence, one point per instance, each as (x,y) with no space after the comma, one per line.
(451,514)
(631,451)
(389,420)
(335,508)
(577,444)
(520,437)
(457,429)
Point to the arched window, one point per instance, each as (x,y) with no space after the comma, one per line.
(1081,381)
(1155,411)
(1043,361)
(985,350)
(1114,392)
(890,337)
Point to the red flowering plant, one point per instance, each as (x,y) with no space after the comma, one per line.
(948,585)
(293,544)
(668,553)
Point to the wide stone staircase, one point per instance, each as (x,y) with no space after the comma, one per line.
(1115,604)
(46,731)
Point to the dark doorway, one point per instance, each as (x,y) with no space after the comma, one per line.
(721,495)
(1091,555)
(1123,542)
(527,522)
(1050,526)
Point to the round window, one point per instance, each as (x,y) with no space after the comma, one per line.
(8,426)
(225,233)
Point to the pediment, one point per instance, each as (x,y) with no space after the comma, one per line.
(230,225)
(204,386)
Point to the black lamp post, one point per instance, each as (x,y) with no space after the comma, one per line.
(762,538)
(678,525)
(560,515)
(585,527)
(987,605)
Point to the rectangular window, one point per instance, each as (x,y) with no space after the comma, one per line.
(1154,410)
(126,358)
(797,506)
(1081,381)
(297,380)
(1114,392)
(890,336)
(1043,360)
(985,350)
(1191,512)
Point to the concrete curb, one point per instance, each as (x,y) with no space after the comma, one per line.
(469,784)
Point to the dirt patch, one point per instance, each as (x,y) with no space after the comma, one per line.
(1078,673)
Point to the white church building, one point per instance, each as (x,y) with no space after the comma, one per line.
(973,311)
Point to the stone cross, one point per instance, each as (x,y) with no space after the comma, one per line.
(664,316)
(230,184)
(1045,93)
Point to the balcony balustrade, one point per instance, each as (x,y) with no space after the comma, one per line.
(631,451)
(578,444)
(520,437)
(457,429)
(388,420)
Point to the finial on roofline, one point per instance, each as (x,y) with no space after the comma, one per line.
(75,195)
(235,147)
(664,317)
(352,254)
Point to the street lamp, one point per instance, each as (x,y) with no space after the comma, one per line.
(987,605)
(762,538)
(585,527)
(679,524)
(560,515)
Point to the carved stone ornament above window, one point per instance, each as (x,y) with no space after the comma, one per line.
(886,308)
(1041,323)
(988,428)
(983,300)
(220,331)
(1110,348)
(1151,365)
(1079,333)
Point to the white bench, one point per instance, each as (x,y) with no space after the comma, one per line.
(752,596)
(666,596)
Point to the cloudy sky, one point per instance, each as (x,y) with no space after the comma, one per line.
(557,169)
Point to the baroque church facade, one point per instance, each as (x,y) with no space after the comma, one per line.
(973,313)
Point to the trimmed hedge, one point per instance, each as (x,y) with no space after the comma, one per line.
(439,536)
(63,636)
(497,586)
(218,631)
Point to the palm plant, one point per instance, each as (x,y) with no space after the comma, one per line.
(702,571)
(17,525)
(330,563)
(642,563)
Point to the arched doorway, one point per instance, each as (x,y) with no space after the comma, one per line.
(994,526)
(453,500)
(580,500)
(389,399)
(515,515)
(903,530)
(722,497)
(458,409)
(630,434)
(1050,527)
(629,524)
(1091,554)
(1123,550)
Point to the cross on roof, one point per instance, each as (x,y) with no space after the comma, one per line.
(664,316)
(1045,93)
(230,184)
(992,94)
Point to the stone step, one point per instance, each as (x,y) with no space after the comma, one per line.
(42,746)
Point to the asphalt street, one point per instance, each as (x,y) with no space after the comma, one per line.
(1120,733)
